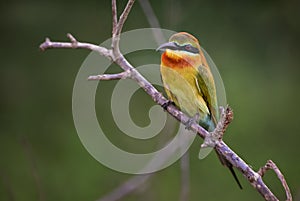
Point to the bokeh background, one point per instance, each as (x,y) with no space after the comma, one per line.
(255,45)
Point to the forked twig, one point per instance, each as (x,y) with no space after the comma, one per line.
(270,165)
(48,44)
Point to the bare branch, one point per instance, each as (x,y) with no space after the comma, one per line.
(254,178)
(225,120)
(124,16)
(117,76)
(270,165)
(72,39)
(114,16)
(48,44)
(118,28)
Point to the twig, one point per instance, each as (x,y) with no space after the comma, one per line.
(124,16)
(270,165)
(136,181)
(185,177)
(29,154)
(114,54)
(117,76)
(126,188)
(117,27)
(225,120)
(254,178)
(114,16)
(48,44)
(215,136)
(153,21)
(7,185)
(73,40)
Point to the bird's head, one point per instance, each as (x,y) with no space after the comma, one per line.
(182,50)
(181,43)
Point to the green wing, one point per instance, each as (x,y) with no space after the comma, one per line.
(206,86)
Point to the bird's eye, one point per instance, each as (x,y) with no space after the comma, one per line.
(188,47)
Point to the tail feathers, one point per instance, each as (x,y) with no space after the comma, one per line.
(234,175)
(226,163)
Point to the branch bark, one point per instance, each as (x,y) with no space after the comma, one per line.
(74,44)
(270,165)
(114,54)
(117,76)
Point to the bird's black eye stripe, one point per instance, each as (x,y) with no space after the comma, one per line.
(190,48)
(187,48)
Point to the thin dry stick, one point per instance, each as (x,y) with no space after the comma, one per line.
(114,16)
(124,16)
(117,76)
(114,54)
(126,188)
(153,21)
(48,44)
(7,186)
(270,165)
(185,177)
(136,181)
(117,27)
(217,134)
(30,157)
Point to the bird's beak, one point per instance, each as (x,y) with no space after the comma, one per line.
(168,45)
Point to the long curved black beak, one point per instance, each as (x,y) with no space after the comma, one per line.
(168,45)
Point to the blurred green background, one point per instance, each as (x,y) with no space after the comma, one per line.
(255,45)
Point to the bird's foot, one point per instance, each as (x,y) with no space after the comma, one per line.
(211,140)
(166,104)
(194,119)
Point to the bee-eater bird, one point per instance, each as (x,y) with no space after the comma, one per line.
(189,83)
